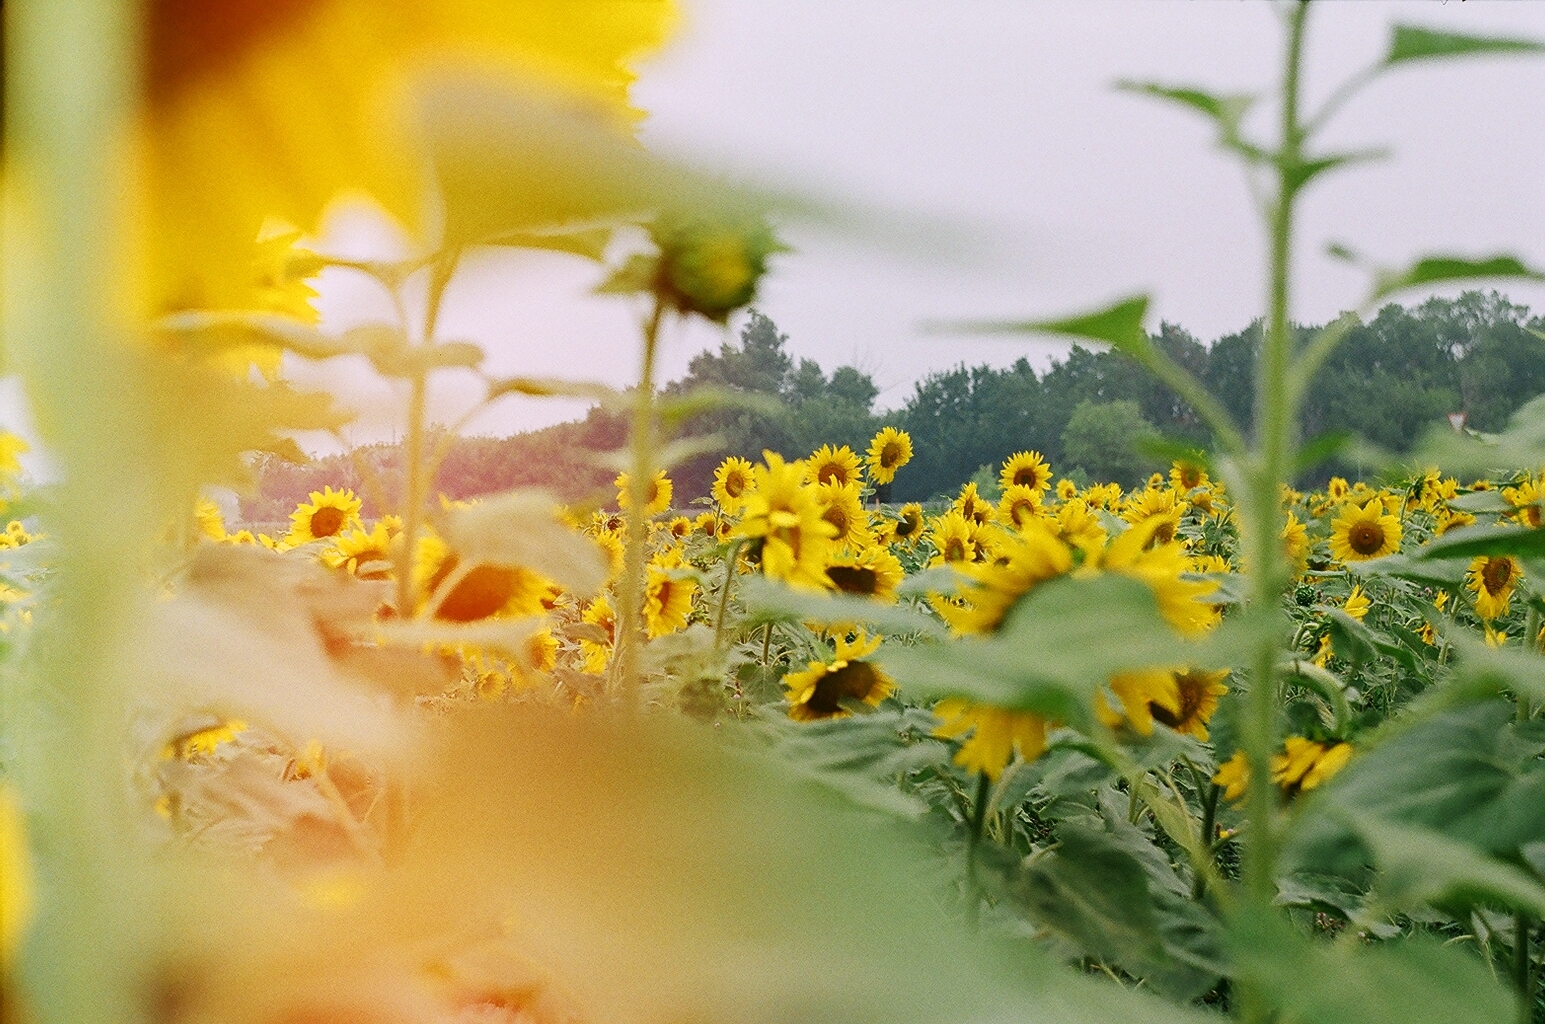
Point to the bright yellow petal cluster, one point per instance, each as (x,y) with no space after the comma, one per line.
(889,451)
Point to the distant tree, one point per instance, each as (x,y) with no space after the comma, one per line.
(1102,439)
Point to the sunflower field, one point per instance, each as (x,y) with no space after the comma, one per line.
(1214,746)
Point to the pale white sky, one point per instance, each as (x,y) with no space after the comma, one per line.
(997,118)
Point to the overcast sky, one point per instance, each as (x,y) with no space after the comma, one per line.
(997,119)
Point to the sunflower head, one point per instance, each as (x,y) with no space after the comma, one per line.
(1026,469)
(827,465)
(1185,475)
(1492,578)
(784,522)
(971,505)
(658,496)
(842,507)
(328,514)
(711,267)
(826,688)
(1019,506)
(909,524)
(992,735)
(889,451)
(731,481)
(868,572)
(1362,532)
(1067,490)
(951,538)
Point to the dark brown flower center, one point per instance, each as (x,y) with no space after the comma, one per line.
(483,591)
(854,579)
(954,550)
(890,455)
(1496,574)
(854,681)
(327,521)
(734,484)
(1365,538)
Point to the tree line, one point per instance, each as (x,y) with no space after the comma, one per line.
(1088,413)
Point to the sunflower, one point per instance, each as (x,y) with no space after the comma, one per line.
(1234,776)
(869,572)
(612,547)
(328,514)
(660,493)
(993,734)
(596,653)
(211,523)
(1196,700)
(889,451)
(1295,541)
(1067,490)
(1025,469)
(971,505)
(908,528)
(1103,495)
(1078,526)
(273,109)
(784,520)
(1528,501)
(832,465)
(842,507)
(485,590)
(668,596)
(364,553)
(1186,475)
(1449,519)
(1357,604)
(989,590)
(1019,506)
(1140,694)
(1166,571)
(1493,577)
(1337,489)
(731,481)
(950,535)
(1359,533)
(1304,764)
(1162,506)
(825,688)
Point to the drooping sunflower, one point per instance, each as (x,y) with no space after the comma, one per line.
(1196,700)
(660,493)
(1360,533)
(951,538)
(1493,578)
(822,689)
(1019,506)
(992,734)
(668,596)
(889,451)
(832,465)
(971,505)
(731,481)
(842,507)
(364,553)
(328,514)
(1025,469)
(783,519)
(989,589)
(596,653)
(866,572)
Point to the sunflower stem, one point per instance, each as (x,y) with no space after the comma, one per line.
(1523,971)
(766,644)
(630,624)
(724,593)
(974,838)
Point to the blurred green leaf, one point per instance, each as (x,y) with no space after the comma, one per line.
(1480,502)
(1520,446)
(770,601)
(589,243)
(1321,447)
(1432,572)
(1400,982)
(1412,42)
(1301,174)
(674,409)
(1474,541)
(1420,867)
(1119,325)
(1225,110)
(552,387)
(1439,269)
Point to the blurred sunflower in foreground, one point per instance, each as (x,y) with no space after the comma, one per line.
(256,111)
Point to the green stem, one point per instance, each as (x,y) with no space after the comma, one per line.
(630,620)
(70,82)
(1523,967)
(766,644)
(974,839)
(724,593)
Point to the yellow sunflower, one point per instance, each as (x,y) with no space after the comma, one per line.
(1493,578)
(483,591)
(668,596)
(1295,541)
(832,465)
(364,553)
(1162,506)
(1337,489)
(660,492)
(1025,469)
(842,507)
(1304,764)
(1196,696)
(1186,475)
(1167,572)
(1067,490)
(253,110)
(1080,527)
(868,572)
(824,688)
(731,481)
(1019,506)
(1140,694)
(989,589)
(908,528)
(211,523)
(971,505)
(950,535)
(1357,604)
(596,653)
(1528,501)
(328,514)
(1360,533)
(992,734)
(784,519)
(889,451)
(1234,776)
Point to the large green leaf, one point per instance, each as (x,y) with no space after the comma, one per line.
(1412,42)
(1474,541)
(1439,269)
(1422,867)
(1401,982)
(1119,325)
(1095,891)
(770,601)
(1520,446)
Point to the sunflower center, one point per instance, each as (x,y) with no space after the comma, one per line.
(1496,574)
(854,579)
(853,681)
(831,471)
(1365,538)
(954,550)
(907,526)
(1190,477)
(1164,532)
(1533,516)
(327,521)
(734,485)
(1021,512)
(483,591)
(890,455)
(1026,477)
(838,517)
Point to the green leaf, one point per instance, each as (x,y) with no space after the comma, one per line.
(1480,502)
(1301,174)
(1474,541)
(589,243)
(552,387)
(1095,892)
(1119,325)
(770,601)
(1401,982)
(1448,575)
(1440,269)
(1520,446)
(1412,42)
(1226,110)
(1421,867)
(1323,446)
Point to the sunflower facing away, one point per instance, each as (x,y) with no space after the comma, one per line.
(1359,533)
(328,514)
(889,451)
